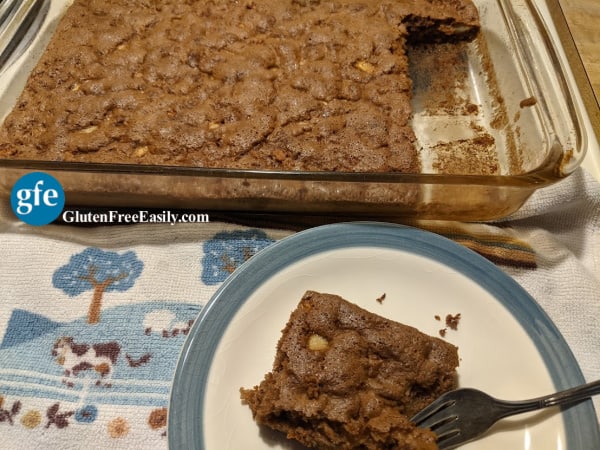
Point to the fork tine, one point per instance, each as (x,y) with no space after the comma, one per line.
(428,415)
(441,425)
(450,440)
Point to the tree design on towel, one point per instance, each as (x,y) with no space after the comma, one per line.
(228,250)
(99,271)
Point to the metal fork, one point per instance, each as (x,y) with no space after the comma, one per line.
(464,414)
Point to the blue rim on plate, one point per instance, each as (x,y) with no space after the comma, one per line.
(185,417)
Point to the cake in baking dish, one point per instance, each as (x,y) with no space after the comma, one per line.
(344,378)
(311,85)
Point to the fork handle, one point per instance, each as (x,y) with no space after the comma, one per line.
(565,397)
(572,395)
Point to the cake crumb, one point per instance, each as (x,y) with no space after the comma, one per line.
(452,321)
(381,298)
(529,101)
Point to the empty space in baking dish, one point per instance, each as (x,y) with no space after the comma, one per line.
(493,106)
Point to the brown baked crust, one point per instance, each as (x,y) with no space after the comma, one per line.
(253,84)
(345,378)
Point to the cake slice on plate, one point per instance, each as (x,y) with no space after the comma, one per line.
(345,378)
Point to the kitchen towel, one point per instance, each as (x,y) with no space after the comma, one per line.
(92,319)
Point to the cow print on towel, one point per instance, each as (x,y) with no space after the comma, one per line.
(99,358)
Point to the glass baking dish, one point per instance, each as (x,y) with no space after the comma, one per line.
(507,127)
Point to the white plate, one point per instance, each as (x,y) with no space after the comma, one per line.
(507,345)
